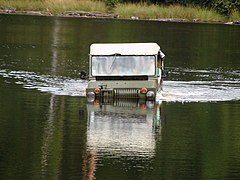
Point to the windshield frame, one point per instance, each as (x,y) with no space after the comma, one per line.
(137,63)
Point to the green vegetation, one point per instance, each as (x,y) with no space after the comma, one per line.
(234,16)
(54,6)
(144,11)
(192,10)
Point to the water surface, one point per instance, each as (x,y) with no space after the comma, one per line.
(49,131)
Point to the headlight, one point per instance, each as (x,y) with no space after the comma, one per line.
(150,95)
(90,96)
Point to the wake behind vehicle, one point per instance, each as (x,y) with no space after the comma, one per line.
(125,70)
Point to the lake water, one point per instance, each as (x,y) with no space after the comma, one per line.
(49,131)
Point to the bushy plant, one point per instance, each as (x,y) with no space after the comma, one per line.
(226,7)
(111,3)
(185,2)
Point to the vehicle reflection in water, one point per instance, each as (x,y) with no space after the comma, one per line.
(121,131)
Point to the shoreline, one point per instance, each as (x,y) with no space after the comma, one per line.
(100,15)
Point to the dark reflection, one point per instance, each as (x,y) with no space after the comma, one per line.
(120,133)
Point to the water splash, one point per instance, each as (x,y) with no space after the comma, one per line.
(193,85)
(57,85)
(200,91)
(209,86)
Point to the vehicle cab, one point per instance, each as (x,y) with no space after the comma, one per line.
(125,70)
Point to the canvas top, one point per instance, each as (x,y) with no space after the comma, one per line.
(125,49)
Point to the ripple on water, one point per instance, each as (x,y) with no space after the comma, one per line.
(227,89)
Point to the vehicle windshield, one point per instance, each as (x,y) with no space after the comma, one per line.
(123,65)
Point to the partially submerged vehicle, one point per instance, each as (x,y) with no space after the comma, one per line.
(125,70)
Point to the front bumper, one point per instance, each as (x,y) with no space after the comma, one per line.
(123,93)
(122,89)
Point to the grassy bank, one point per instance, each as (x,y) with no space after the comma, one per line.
(144,11)
(54,6)
(141,11)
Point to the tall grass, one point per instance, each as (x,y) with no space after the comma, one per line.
(144,11)
(235,16)
(22,5)
(75,5)
(54,6)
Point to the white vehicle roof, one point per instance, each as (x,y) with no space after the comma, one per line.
(125,49)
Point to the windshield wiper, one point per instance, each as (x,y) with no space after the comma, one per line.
(114,58)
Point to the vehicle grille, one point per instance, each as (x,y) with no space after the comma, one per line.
(126,103)
(126,93)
